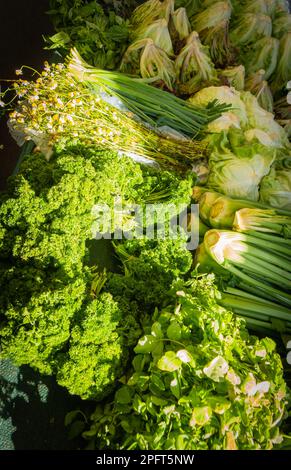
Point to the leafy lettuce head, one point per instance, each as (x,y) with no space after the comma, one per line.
(275,189)
(259,118)
(262,55)
(194,66)
(237,166)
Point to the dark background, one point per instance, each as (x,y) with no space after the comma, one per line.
(32,408)
(22,27)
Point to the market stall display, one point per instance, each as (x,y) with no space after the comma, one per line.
(160,105)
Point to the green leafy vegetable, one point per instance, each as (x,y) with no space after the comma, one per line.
(194,66)
(57,109)
(212,25)
(236,166)
(216,387)
(101,37)
(276,188)
(154,106)
(53,316)
(249,27)
(234,76)
(262,55)
(259,87)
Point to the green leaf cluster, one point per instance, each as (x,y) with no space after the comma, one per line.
(52,315)
(150,268)
(101,37)
(199,381)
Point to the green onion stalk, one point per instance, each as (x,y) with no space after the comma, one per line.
(152,105)
(260,314)
(262,220)
(257,262)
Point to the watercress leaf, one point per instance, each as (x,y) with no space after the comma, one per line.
(174,331)
(126,425)
(138,404)
(175,388)
(158,401)
(181,441)
(169,362)
(124,395)
(76,428)
(138,363)
(157,330)
(219,404)
(69,418)
(216,369)
(155,379)
(158,349)
(184,355)
(145,344)
(200,416)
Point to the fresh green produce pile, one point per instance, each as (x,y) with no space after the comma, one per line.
(168,105)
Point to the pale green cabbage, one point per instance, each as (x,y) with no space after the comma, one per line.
(283,70)
(250,27)
(181,23)
(234,77)
(262,55)
(275,189)
(281,24)
(238,166)
(259,87)
(259,118)
(157,31)
(193,66)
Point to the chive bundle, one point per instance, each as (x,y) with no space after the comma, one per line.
(153,105)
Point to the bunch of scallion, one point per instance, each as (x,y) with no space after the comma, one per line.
(153,105)
(260,314)
(259,265)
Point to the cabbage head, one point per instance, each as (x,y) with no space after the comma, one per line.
(238,166)
(275,189)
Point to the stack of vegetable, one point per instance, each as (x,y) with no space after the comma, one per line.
(64,99)
(198,381)
(249,151)
(188,45)
(52,316)
(252,261)
(155,333)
